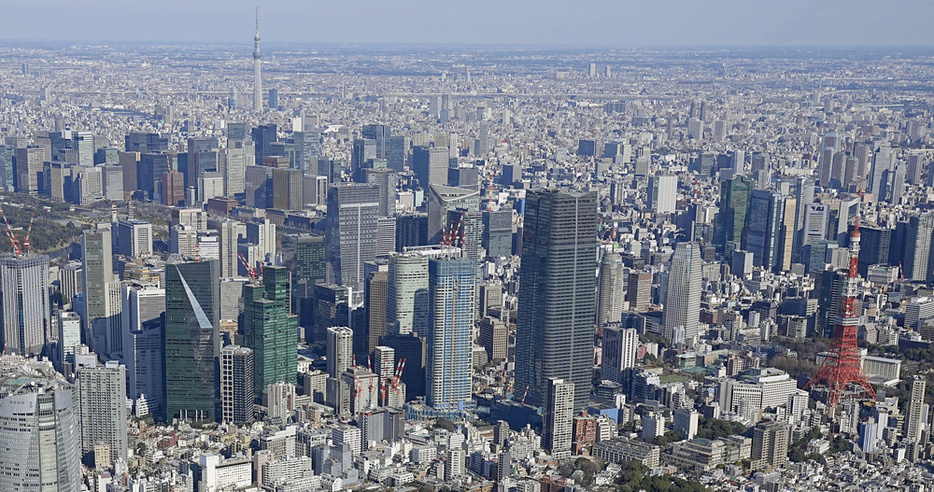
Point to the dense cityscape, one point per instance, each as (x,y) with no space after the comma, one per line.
(466,268)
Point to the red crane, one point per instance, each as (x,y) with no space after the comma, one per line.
(9,231)
(250,271)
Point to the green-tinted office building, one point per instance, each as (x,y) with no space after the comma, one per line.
(192,339)
(269,330)
(734,199)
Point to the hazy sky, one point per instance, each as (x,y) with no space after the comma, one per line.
(621,23)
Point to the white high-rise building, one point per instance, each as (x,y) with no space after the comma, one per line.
(663,193)
(27,320)
(610,296)
(558,418)
(102,408)
(682,307)
(134,238)
(915,417)
(42,419)
(229,234)
(620,346)
(339,350)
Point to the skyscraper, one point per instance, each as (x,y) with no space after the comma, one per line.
(734,198)
(662,193)
(102,408)
(353,210)
(610,290)
(143,306)
(236,384)
(257,75)
(135,238)
(639,293)
(192,340)
(619,351)
(339,350)
(27,320)
(915,417)
(375,295)
(452,289)
(442,199)
(102,310)
(558,417)
(41,418)
(682,308)
(762,234)
(269,330)
(430,166)
(918,251)
(554,337)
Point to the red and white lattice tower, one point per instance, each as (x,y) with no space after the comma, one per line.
(840,373)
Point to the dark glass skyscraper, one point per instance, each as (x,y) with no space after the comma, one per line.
(192,341)
(556,293)
(762,234)
(734,198)
(269,330)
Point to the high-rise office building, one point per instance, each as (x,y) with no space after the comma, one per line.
(309,264)
(269,330)
(102,408)
(762,234)
(918,251)
(26,311)
(558,417)
(387,180)
(288,189)
(173,188)
(915,415)
(375,297)
(353,210)
(192,339)
(236,384)
(229,234)
(619,351)
(39,430)
(682,307)
(554,337)
(441,200)
(134,238)
(497,233)
(430,166)
(362,155)
(28,168)
(102,322)
(734,199)
(639,292)
(662,193)
(7,176)
(452,298)
(143,354)
(610,290)
(339,350)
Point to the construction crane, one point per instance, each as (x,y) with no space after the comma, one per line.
(9,231)
(524,395)
(250,271)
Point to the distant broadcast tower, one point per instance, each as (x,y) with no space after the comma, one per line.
(841,368)
(257,75)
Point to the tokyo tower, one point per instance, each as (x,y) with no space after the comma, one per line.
(841,369)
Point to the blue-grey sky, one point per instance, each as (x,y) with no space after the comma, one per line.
(622,23)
